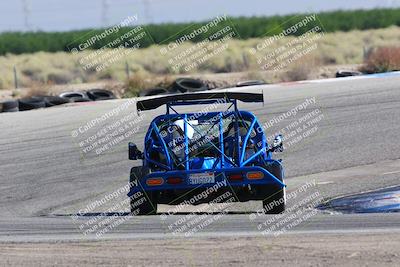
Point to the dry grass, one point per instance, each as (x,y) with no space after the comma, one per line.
(147,66)
(301,70)
(39,88)
(382,59)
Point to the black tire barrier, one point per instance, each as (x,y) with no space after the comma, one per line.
(100,94)
(184,85)
(153,91)
(250,83)
(51,101)
(347,73)
(75,96)
(31,103)
(9,106)
(79,99)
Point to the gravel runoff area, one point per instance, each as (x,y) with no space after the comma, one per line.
(376,249)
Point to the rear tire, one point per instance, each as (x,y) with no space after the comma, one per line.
(275,199)
(146,203)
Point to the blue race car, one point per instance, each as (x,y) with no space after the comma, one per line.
(186,155)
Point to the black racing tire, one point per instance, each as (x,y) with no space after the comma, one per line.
(100,94)
(79,99)
(184,85)
(147,203)
(347,73)
(274,201)
(153,91)
(75,96)
(9,106)
(52,101)
(31,103)
(250,83)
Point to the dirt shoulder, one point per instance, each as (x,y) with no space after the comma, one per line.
(372,249)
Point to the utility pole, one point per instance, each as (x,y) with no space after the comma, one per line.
(15,78)
(147,13)
(127,70)
(27,12)
(105,5)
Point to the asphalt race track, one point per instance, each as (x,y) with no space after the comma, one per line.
(45,177)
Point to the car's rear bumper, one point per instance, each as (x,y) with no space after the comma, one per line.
(221,176)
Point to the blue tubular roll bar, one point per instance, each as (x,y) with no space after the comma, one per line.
(185,123)
(223,156)
(165,148)
(221,139)
(246,139)
(237,160)
(237,134)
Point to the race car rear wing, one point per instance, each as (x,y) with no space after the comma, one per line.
(154,103)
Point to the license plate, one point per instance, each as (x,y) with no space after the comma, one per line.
(201,178)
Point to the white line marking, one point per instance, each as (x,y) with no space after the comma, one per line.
(327,182)
(391,172)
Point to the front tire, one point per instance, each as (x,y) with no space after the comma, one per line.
(144,203)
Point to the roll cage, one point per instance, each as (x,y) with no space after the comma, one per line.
(236,144)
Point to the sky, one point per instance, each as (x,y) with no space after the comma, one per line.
(62,15)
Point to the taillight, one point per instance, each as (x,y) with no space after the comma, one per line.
(174,180)
(255,175)
(235,177)
(154,181)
